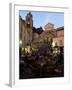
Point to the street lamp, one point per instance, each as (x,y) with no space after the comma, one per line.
(20,42)
(53,44)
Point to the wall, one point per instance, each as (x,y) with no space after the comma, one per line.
(59,39)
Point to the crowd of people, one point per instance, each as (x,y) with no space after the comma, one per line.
(41,63)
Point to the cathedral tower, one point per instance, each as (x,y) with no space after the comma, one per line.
(29,27)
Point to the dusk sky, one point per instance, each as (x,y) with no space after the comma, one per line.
(43,18)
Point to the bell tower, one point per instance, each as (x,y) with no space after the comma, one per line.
(29,20)
(29,27)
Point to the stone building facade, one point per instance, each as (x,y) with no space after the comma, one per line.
(59,38)
(25,30)
(56,34)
